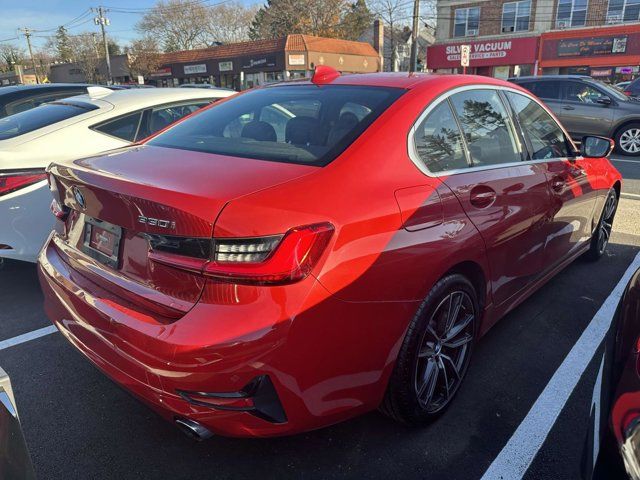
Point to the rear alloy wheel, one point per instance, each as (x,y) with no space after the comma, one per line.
(628,139)
(435,354)
(602,234)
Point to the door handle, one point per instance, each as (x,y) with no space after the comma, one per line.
(567,107)
(482,196)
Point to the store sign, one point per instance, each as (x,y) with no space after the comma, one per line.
(465,53)
(193,69)
(514,51)
(296,59)
(162,72)
(260,62)
(225,66)
(627,70)
(601,72)
(580,47)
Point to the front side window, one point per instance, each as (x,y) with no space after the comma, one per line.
(623,11)
(438,141)
(571,13)
(545,136)
(515,16)
(125,128)
(466,22)
(305,124)
(487,128)
(582,93)
(40,117)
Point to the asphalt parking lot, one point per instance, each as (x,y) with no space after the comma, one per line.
(517,415)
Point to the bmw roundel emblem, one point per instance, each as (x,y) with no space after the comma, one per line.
(78,196)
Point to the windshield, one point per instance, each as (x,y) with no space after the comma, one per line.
(614,92)
(39,117)
(306,124)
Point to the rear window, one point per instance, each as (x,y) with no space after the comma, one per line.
(39,117)
(305,124)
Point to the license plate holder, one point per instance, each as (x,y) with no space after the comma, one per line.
(102,241)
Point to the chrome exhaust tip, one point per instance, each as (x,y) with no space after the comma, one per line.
(193,429)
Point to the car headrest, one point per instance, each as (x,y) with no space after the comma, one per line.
(303,131)
(260,131)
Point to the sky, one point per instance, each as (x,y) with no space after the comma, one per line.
(47,15)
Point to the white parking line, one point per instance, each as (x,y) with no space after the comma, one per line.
(516,456)
(629,195)
(25,337)
(625,161)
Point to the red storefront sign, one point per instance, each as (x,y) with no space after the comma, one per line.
(513,51)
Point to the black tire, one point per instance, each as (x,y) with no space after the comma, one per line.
(627,140)
(423,351)
(602,233)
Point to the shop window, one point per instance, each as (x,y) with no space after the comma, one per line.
(571,13)
(515,16)
(466,22)
(623,11)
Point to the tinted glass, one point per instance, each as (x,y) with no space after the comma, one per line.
(39,117)
(544,89)
(438,141)
(582,93)
(124,128)
(486,126)
(161,117)
(297,123)
(544,134)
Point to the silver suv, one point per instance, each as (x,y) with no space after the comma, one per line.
(588,107)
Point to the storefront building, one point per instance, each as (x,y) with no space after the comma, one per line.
(493,57)
(248,64)
(611,53)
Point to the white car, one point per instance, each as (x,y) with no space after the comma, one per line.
(67,129)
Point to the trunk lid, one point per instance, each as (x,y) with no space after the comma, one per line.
(140,193)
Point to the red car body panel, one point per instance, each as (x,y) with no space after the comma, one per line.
(328,342)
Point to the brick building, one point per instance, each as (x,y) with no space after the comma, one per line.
(526,37)
(247,64)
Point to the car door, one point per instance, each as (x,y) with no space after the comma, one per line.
(503,196)
(583,111)
(572,197)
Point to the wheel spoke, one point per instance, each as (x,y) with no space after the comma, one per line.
(459,327)
(429,381)
(427,350)
(443,369)
(459,341)
(455,303)
(453,365)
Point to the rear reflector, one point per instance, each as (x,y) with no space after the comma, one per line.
(12,181)
(274,259)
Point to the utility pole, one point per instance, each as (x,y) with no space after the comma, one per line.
(104,21)
(413,62)
(27,34)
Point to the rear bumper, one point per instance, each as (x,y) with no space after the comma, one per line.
(306,342)
(26,221)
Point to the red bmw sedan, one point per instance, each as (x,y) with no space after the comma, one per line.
(310,251)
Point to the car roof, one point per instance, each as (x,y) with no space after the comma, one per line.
(42,86)
(550,77)
(402,80)
(144,97)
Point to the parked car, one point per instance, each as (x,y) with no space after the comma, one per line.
(15,461)
(270,273)
(18,98)
(67,129)
(623,85)
(196,85)
(588,107)
(633,88)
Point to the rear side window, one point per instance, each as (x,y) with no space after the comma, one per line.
(39,117)
(438,141)
(124,128)
(161,117)
(545,136)
(547,90)
(305,124)
(487,127)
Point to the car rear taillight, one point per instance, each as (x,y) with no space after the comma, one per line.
(12,181)
(269,260)
(628,94)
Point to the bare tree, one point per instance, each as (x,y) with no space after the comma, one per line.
(395,14)
(230,22)
(86,54)
(144,56)
(177,24)
(10,55)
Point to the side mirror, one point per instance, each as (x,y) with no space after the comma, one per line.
(596,147)
(604,101)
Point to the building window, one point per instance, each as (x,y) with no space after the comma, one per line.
(571,13)
(466,22)
(515,16)
(623,11)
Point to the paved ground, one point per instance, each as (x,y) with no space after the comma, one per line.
(80,425)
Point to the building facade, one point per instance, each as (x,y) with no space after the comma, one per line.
(248,64)
(530,37)
(73,72)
